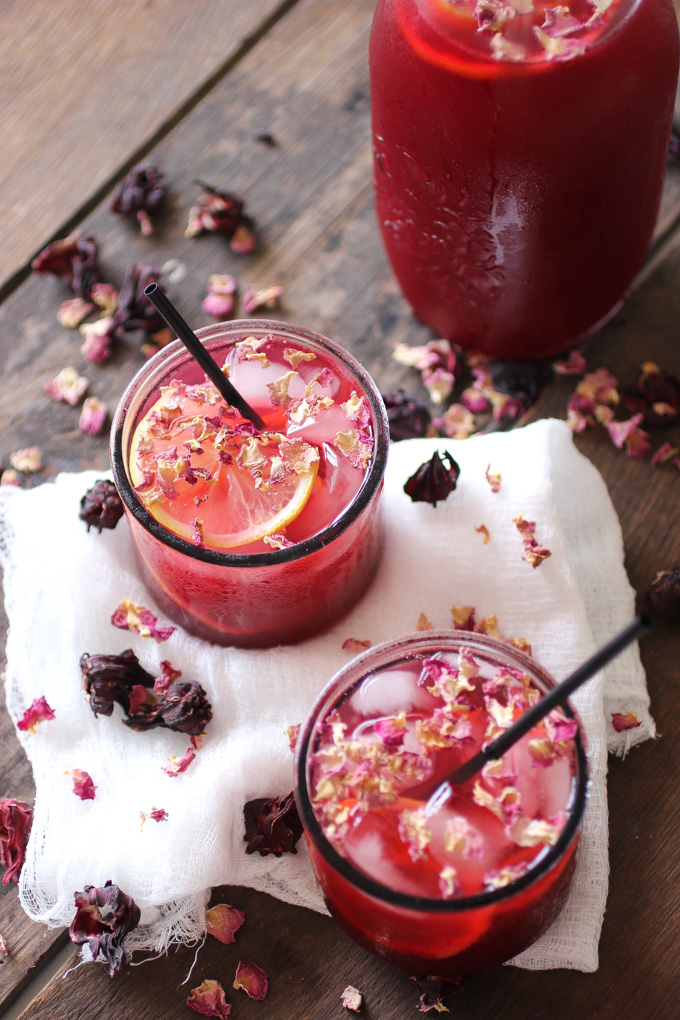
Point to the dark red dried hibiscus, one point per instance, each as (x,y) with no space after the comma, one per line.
(221,212)
(16,819)
(74,260)
(408,417)
(109,679)
(104,916)
(434,480)
(101,506)
(139,195)
(185,708)
(272,826)
(135,311)
(522,380)
(434,990)
(664,593)
(656,397)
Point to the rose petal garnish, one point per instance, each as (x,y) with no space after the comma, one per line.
(92,416)
(460,837)
(139,620)
(293,732)
(83,786)
(448,882)
(68,386)
(534,553)
(463,617)
(457,422)
(104,917)
(392,730)
(355,645)
(256,298)
(221,297)
(208,1000)
(601,386)
(27,460)
(438,362)
(534,831)
(493,480)
(621,722)
(483,530)
(38,711)
(434,480)
(252,980)
(156,814)
(223,921)
(664,593)
(423,623)
(272,826)
(98,338)
(351,998)
(176,765)
(413,831)
(575,363)
(16,819)
(629,434)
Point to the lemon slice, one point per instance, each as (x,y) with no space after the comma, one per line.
(263,485)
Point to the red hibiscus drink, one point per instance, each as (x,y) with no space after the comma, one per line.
(245,537)
(520,150)
(451,889)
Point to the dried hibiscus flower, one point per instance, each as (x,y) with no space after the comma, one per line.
(139,620)
(223,921)
(664,593)
(104,916)
(101,506)
(656,397)
(208,1000)
(221,212)
(184,708)
(622,722)
(521,380)
(434,480)
(252,979)
(16,819)
(38,711)
(109,680)
(408,417)
(272,826)
(135,311)
(74,260)
(138,195)
(83,786)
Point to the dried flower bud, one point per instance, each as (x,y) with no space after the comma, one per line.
(28,460)
(98,339)
(9,477)
(434,480)
(351,998)
(221,297)
(104,916)
(74,311)
(16,819)
(221,212)
(109,679)
(68,386)
(92,416)
(101,506)
(135,311)
(272,826)
(408,417)
(138,195)
(664,593)
(185,709)
(74,260)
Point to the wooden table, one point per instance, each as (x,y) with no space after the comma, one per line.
(86,90)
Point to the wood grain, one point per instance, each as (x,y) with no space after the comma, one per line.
(306,83)
(83,88)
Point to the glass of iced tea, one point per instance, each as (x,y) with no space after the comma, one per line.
(254,538)
(457,887)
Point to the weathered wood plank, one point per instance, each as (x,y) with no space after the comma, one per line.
(83,86)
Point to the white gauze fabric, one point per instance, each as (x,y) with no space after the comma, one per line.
(62,585)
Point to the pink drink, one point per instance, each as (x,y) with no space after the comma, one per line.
(254,538)
(475,881)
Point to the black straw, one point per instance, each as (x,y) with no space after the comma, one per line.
(557,696)
(158,298)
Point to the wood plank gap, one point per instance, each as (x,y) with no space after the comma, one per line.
(90,204)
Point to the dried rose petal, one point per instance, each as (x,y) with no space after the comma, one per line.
(601,386)
(83,786)
(4,951)
(408,417)
(105,296)
(457,422)
(38,711)
(74,311)
(208,1000)
(98,339)
(101,506)
(252,979)
(438,362)
(169,674)
(351,998)
(434,990)
(483,530)
(257,298)
(463,617)
(139,620)
(664,593)
(665,453)
(74,260)
(656,397)
(355,645)
(156,814)
(575,363)
(142,700)
(9,477)
(423,623)
(185,708)
(16,818)
(135,311)
(92,416)
(28,460)
(221,212)
(176,766)
(434,480)
(109,679)
(293,732)
(493,480)
(629,434)
(622,722)
(534,553)
(221,297)
(272,826)
(223,921)
(138,194)
(68,386)
(104,916)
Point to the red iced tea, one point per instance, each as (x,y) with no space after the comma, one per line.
(520,150)
(247,537)
(467,884)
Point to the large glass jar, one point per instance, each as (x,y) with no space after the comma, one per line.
(520,149)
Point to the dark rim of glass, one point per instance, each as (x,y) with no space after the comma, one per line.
(421,645)
(370,486)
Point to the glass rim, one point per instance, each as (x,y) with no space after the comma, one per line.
(221,330)
(419,643)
